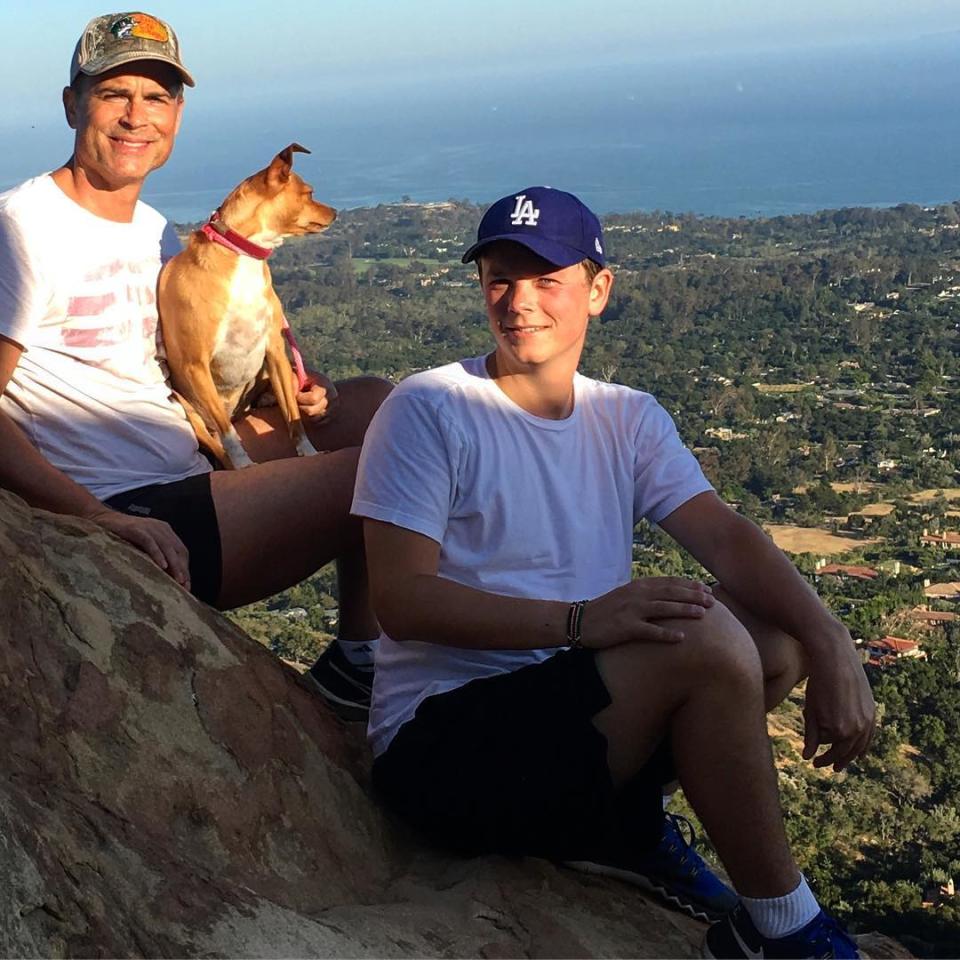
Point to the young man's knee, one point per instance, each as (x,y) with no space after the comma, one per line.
(716,648)
(783,658)
(719,646)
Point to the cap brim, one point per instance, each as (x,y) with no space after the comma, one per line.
(96,67)
(559,254)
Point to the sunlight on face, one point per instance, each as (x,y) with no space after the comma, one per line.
(538,312)
(126,122)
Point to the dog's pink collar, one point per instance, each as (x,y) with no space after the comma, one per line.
(217,231)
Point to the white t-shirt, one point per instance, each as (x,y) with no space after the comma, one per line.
(78,293)
(521,506)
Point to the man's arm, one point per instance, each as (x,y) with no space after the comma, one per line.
(25,472)
(413,603)
(839,705)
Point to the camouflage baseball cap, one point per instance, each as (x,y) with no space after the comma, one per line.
(118,38)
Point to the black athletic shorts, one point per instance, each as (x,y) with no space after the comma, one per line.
(187,505)
(512,764)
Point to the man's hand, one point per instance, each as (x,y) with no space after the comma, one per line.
(839,708)
(631,612)
(318,400)
(154,537)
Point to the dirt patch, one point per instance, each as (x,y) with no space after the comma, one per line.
(862,487)
(881,509)
(782,387)
(812,540)
(948,493)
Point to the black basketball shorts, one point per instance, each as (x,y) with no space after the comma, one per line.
(512,764)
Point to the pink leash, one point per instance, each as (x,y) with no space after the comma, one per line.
(217,231)
(303,381)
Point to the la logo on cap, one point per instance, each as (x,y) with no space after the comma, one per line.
(524,212)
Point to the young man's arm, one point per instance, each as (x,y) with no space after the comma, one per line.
(25,472)
(839,705)
(413,603)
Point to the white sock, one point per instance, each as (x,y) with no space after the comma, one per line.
(776,917)
(360,652)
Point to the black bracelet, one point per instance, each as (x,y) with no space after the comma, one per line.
(574,622)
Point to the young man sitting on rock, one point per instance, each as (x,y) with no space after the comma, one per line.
(88,425)
(529,697)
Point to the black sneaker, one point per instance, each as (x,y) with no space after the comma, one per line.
(735,938)
(675,872)
(344,685)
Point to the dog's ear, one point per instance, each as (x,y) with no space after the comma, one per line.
(278,173)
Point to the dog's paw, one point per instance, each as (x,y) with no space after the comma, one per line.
(306,449)
(236,455)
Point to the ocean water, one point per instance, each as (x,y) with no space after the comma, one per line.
(753,135)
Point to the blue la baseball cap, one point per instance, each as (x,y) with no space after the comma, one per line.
(552,223)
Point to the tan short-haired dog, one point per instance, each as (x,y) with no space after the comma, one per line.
(221,320)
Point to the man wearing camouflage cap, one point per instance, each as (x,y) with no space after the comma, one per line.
(88,425)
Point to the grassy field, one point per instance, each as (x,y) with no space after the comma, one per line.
(884,507)
(881,509)
(861,487)
(811,540)
(948,493)
(363,264)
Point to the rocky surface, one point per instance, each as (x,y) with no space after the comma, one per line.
(169,788)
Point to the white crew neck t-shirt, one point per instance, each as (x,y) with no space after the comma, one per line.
(78,293)
(521,506)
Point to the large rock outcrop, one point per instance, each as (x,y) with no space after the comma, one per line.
(169,788)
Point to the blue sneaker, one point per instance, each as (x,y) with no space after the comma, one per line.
(675,872)
(736,936)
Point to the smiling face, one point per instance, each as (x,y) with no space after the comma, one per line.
(126,121)
(538,312)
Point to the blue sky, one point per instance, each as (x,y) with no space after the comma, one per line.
(710,105)
(256,49)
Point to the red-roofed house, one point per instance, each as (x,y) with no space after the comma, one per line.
(890,649)
(933,618)
(946,541)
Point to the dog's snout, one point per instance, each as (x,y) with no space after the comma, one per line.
(325,215)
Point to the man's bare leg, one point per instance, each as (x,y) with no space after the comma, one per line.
(707,694)
(287,516)
(281,521)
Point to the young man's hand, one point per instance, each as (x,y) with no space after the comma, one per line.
(154,537)
(839,709)
(318,400)
(631,612)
